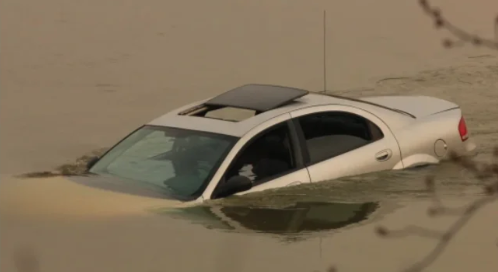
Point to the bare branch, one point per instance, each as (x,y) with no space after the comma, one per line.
(450,234)
(461,35)
(465,214)
(444,237)
(482,172)
(410,231)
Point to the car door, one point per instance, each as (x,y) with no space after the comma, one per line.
(270,155)
(344,141)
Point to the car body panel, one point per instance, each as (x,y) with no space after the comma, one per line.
(436,124)
(418,141)
(358,161)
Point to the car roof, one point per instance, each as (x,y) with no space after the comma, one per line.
(283,101)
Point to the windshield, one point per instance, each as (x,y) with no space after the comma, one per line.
(179,161)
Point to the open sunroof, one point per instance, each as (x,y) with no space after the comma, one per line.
(257,97)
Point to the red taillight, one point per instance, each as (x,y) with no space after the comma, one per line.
(462,129)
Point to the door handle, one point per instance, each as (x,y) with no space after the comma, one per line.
(383,155)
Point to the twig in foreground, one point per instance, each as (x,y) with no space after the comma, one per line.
(461,35)
(444,238)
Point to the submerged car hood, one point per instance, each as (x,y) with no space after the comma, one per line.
(79,197)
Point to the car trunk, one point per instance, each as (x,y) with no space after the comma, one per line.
(418,106)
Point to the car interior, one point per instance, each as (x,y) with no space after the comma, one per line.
(330,134)
(269,155)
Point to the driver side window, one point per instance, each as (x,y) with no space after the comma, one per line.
(265,157)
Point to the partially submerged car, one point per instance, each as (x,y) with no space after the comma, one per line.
(275,136)
(249,139)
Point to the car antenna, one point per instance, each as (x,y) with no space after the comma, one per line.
(324,51)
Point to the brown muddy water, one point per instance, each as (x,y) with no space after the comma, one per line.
(78,76)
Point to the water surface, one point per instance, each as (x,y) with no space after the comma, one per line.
(79,76)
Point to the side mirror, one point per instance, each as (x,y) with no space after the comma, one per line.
(235,184)
(91,163)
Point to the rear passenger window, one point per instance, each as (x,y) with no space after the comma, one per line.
(329,134)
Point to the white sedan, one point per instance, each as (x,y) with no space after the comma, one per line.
(278,136)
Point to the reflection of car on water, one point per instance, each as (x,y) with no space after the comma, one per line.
(301,217)
(290,137)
